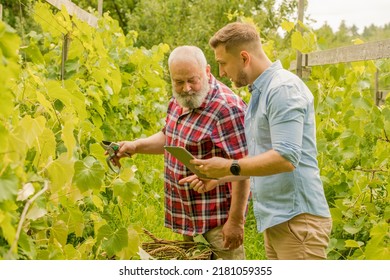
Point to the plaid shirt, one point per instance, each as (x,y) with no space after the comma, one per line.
(216,128)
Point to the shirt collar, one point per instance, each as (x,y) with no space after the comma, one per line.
(260,82)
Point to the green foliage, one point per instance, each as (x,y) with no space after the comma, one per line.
(58,199)
(353,148)
(182,22)
(353,145)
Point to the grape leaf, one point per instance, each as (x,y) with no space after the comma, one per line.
(89,174)
(8,187)
(112,241)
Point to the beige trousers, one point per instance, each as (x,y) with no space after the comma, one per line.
(304,237)
(215,239)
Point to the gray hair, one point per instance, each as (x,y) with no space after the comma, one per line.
(184,53)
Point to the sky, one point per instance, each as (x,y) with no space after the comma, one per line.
(355,12)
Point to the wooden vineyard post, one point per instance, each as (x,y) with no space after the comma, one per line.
(301,6)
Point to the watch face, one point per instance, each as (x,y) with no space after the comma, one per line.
(235,168)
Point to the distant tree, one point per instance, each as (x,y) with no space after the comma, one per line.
(18,14)
(343,34)
(354,30)
(374,33)
(178,22)
(118,9)
(325,35)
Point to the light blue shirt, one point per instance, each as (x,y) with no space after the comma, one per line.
(281,116)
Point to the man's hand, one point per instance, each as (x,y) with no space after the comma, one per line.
(126,149)
(198,184)
(215,167)
(233,234)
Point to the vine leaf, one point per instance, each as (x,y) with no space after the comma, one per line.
(6,104)
(353,243)
(36,212)
(56,172)
(287,25)
(67,136)
(133,245)
(30,129)
(89,174)
(7,227)
(46,148)
(127,190)
(377,247)
(71,253)
(352,229)
(25,192)
(60,232)
(8,187)
(112,241)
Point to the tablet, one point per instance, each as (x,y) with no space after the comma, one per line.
(184,157)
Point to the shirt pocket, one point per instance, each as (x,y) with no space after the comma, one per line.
(200,147)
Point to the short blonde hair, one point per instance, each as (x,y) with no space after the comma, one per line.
(235,35)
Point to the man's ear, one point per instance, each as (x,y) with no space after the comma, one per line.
(208,71)
(245,57)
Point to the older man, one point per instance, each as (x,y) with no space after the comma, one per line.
(207,118)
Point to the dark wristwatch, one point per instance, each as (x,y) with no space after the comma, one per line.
(235,168)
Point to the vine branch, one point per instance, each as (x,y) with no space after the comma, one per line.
(370,170)
(24,213)
(387,138)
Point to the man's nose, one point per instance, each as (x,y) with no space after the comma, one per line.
(222,72)
(186,87)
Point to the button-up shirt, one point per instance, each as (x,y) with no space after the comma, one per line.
(216,128)
(281,116)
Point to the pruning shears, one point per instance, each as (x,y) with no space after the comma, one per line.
(111,148)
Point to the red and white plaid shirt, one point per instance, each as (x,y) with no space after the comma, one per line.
(216,128)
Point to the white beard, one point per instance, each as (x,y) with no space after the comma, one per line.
(192,99)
